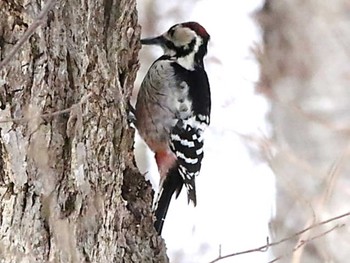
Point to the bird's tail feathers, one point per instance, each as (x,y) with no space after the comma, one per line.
(172,183)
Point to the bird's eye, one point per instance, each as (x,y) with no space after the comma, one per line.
(171,31)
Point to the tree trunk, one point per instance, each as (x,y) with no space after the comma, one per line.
(69,188)
(305,72)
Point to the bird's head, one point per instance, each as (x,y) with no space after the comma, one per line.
(185,40)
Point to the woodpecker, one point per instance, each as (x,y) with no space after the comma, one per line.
(173,110)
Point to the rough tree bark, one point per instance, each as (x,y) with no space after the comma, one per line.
(305,73)
(69,188)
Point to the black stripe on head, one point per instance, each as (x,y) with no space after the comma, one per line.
(183,50)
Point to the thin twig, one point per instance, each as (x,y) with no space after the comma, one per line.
(302,243)
(264,248)
(321,200)
(31,29)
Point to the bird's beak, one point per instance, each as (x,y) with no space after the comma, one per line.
(153,41)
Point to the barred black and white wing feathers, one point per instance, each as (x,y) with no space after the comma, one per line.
(187,144)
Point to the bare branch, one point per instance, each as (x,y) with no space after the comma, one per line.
(302,243)
(31,29)
(264,248)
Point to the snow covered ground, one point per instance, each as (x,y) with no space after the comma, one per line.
(235,190)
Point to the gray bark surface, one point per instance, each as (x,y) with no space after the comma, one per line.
(69,189)
(305,73)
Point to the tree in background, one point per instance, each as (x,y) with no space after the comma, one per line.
(305,73)
(69,188)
